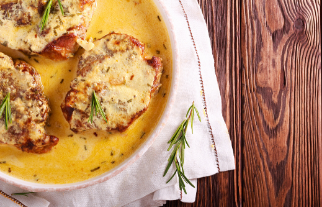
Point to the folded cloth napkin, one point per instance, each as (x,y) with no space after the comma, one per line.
(142,184)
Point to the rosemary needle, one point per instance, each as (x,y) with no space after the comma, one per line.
(6,108)
(45,17)
(24,194)
(179,141)
(61,7)
(96,107)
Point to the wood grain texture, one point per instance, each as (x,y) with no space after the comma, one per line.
(268,65)
(281,109)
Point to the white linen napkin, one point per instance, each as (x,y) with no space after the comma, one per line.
(142,184)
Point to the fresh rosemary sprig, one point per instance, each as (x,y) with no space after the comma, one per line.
(46,13)
(61,7)
(96,107)
(179,141)
(5,106)
(24,194)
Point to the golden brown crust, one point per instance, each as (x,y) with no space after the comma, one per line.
(39,146)
(62,48)
(156,63)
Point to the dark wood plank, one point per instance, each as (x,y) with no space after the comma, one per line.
(281,108)
(268,65)
(223,20)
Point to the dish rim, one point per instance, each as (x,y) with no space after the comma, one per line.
(38,187)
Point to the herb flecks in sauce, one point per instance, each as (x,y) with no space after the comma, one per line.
(97,168)
(148,29)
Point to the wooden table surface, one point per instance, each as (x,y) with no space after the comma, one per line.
(268,65)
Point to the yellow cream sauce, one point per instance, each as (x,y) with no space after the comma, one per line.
(81,156)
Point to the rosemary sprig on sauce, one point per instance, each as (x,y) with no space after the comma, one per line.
(179,142)
(95,108)
(44,19)
(24,194)
(6,108)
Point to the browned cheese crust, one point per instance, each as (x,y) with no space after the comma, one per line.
(29,107)
(20,26)
(121,76)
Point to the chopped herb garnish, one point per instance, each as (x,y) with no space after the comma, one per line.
(6,109)
(62,80)
(164,94)
(92,170)
(24,194)
(112,153)
(45,17)
(95,134)
(70,135)
(164,46)
(159,18)
(95,108)
(142,135)
(179,142)
(158,52)
(100,32)
(3,162)
(9,170)
(36,60)
(167,76)
(85,147)
(113,162)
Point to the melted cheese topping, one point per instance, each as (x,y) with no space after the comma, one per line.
(20,22)
(77,156)
(20,85)
(122,79)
